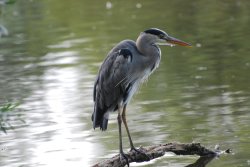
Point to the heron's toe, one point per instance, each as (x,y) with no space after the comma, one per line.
(140,151)
(123,157)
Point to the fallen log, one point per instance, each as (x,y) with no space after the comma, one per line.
(156,151)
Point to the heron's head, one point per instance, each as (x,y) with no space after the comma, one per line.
(160,37)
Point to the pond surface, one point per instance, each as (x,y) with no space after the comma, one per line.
(49,60)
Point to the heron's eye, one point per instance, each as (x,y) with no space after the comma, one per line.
(161,36)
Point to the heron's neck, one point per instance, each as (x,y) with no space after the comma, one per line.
(147,48)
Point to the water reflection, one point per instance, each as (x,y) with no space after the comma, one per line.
(63,136)
(54,124)
(199,162)
(69,43)
(202,161)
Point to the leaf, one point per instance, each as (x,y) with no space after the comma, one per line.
(8,107)
(10,2)
(4,118)
(3,129)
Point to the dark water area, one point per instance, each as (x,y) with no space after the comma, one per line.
(52,53)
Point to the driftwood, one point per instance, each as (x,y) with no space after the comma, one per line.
(159,150)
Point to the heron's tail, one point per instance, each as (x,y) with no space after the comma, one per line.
(100,119)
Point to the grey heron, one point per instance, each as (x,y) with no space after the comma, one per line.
(126,66)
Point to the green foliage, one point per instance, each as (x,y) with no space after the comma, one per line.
(7,2)
(10,2)
(8,107)
(5,111)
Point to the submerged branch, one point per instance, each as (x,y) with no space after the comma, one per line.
(156,151)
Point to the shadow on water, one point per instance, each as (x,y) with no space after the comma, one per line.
(202,161)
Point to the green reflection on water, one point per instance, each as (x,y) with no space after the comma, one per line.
(197,94)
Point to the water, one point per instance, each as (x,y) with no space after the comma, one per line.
(52,53)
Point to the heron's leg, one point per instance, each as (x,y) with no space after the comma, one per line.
(119,120)
(130,139)
(126,126)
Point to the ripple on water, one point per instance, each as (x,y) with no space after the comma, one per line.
(69,43)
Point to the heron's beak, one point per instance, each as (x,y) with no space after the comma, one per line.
(176,41)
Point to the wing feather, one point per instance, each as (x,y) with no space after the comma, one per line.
(111,84)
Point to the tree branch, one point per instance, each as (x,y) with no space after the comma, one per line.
(156,151)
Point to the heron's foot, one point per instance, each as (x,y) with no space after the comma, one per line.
(124,156)
(140,151)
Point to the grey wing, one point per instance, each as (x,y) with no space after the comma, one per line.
(111,85)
